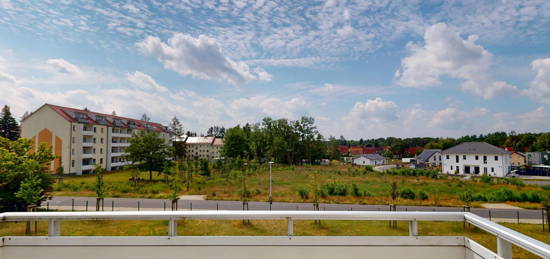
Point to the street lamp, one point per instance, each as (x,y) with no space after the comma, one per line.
(270,184)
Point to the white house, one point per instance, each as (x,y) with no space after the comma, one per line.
(430,157)
(476,158)
(369,159)
(207,148)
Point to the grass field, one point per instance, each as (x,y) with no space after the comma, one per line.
(272,227)
(288,181)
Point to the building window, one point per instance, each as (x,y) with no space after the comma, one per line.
(451,167)
(101,130)
(457,159)
(101,140)
(447,156)
(101,160)
(74,127)
(485,170)
(94,140)
(72,163)
(101,150)
(484,159)
(94,129)
(477,157)
(492,169)
(496,158)
(464,157)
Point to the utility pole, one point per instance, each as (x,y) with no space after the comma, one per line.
(270,184)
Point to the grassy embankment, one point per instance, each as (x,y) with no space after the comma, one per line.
(294,184)
(272,227)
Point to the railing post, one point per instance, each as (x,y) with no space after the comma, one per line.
(290,226)
(413,228)
(54,228)
(172,227)
(504,248)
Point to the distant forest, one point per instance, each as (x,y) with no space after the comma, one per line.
(522,142)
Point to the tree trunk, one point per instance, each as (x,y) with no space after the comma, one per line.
(97,204)
(174,204)
(150,175)
(28,226)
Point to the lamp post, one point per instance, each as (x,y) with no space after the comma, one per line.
(270,184)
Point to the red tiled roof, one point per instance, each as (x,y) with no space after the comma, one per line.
(413,150)
(65,112)
(343,149)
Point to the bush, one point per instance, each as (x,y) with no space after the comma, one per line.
(408,194)
(546,187)
(485,178)
(422,195)
(322,193)
(356,191)
(412,172)
(466,197)
(336,189)
(369,169)
(303,192)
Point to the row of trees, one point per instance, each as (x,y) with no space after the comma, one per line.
(8,125)
(283,141)
(516,141)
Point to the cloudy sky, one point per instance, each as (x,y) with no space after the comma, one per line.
(360,68)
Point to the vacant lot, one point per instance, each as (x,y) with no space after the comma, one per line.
(272,227)
(335,184)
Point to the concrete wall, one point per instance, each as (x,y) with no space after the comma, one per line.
(239,247)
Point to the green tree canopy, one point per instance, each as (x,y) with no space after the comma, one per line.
(8,125)
(148,152)
(18,163)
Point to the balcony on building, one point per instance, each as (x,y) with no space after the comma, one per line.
(88,130)
(88,152)
(118,151)
(87,165)
(122,133)
(120,142)
(88,141)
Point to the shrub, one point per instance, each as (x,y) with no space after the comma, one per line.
(303,192)
(322,193)
(124,189)
(408,194)
(546,187)
(369,169)
(422,195)
(485,178)
(337,189)
(466,197)
(356,191)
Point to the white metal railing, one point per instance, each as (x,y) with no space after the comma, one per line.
(505,236)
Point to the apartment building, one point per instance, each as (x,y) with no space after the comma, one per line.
(207,148)
(82,139)
(476,158)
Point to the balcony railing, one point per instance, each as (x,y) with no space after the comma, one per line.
(505,237)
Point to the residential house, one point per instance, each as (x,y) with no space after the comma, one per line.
(207,148)
(517,158)
(369,159)
(82,139)
(429,157)
(476,158)
(412,151)
(533,158)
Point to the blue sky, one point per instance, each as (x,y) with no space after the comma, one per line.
(360,68)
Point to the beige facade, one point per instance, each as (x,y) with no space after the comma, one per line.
(517,159)
(82,139)
(207,148)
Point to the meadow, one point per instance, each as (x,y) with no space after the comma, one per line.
(334,184)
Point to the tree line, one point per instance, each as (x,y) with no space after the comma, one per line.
(282,141)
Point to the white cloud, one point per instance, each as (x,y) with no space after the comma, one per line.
(64,67)
(199,57)
(540,87)
(372,114)
(452,118)
(254,108)
(5,77)
(445,53)
(6,4)
(145,81)
(289,62)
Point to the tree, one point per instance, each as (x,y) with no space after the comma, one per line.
(175,187)
(216,131)
(148,152)
(543,142)
(145,118)
(235,143)
(113,113)
(176,127)
(31,192)
(19,161)
(100,187)
(8,125)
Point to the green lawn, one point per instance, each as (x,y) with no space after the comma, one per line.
(273,227)
(287,180)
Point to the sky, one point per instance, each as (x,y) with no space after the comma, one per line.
(362,69)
